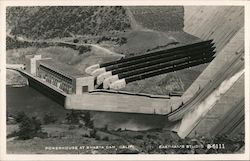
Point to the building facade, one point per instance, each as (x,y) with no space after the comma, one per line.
(60,75)
(30,63)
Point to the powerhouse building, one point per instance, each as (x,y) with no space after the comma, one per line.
(60,75)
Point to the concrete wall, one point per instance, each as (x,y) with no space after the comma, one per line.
(45,88)
(33,66)
(110,101)
(219,112)
(84,81)
(220,23)
(235,45)
(224,24)
(15,66)
(102,101)
(30,63)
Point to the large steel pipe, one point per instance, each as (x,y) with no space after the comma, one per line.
(98,69)
(107,74)
(107,82)
(169,69)
(163,65)
(183,47)
(122,82)
(156,55)
(204,51)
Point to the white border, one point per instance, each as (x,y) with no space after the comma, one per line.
(4,156)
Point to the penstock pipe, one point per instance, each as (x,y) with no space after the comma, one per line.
(163,65)
(170,50)
(168,69)
(163,60)
(155,56)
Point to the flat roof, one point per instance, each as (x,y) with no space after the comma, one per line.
(62,68)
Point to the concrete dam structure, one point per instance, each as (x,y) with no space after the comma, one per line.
(214,103)
(221,110)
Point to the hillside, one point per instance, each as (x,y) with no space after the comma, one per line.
(67,21)
(111,32)
(159,18)
(52,22)
(108,29)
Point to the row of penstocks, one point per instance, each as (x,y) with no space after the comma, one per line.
(117,74)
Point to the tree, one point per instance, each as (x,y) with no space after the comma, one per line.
(49,118)
(72,117)
(86,118)
(92,133)
(28,127)
(75,117)
(123,40)
(76,41)
(91,124)
(88,121)
(20,117)
(106,127)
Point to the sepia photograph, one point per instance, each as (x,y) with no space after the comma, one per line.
(125,79)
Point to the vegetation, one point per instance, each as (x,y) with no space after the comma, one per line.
(143,141)
(160,17)
(117,40)
(106,138)
(59,22)
(79,117)
(65,21)
(28,127)
(92,133)
(49,118)
(84,49)
(139,137)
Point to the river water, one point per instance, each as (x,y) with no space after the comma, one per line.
(33,103)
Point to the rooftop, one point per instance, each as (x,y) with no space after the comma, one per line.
(62,68)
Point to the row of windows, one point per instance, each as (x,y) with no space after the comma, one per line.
(58,75)
(53,80)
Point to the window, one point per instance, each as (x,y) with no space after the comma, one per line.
(85,89)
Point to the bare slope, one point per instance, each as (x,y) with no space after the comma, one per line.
(160,18)
(141,41)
